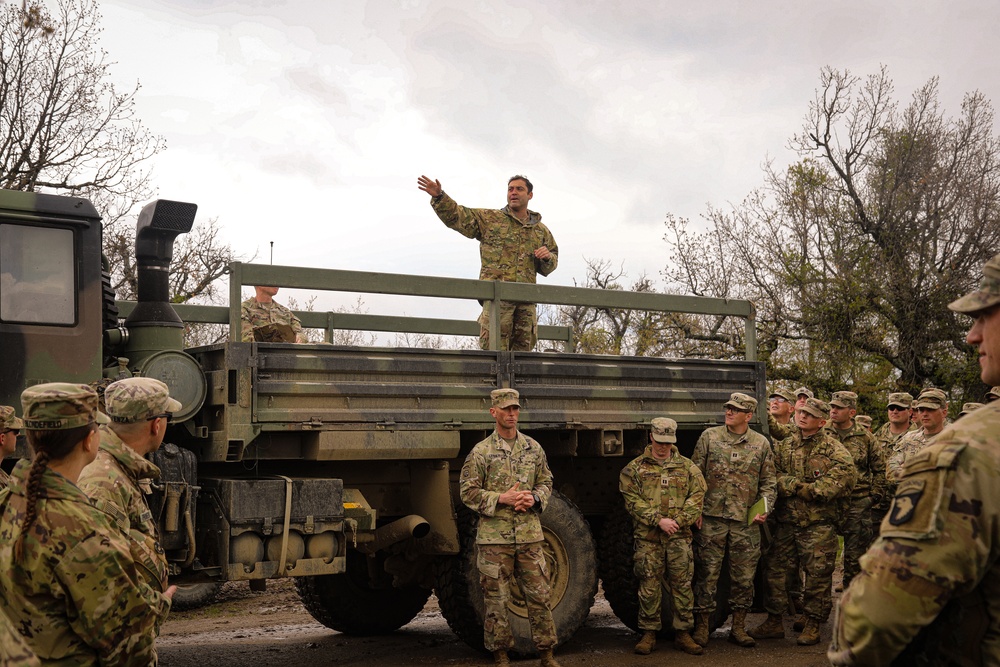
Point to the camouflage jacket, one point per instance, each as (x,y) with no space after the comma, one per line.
(117,482)
(506,245)
(779,431)
(76,597)
(4,479)
(14,651)
(818,462)
(654,490)
(738,469)
(904,448)
(494,467)
(930,584)
(868,460)
(254,314)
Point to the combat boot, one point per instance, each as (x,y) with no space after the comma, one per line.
(800,623)
(738,634)
(547,659)
(700,635)
(810,633)
(772,628)
(683,642)
(500,659)
(647,643)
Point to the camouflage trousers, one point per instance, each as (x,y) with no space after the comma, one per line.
(14,650)
(667,562)
(856,527)
(518,326)
(815,548)
(710,550)
(498,564)
(793,582)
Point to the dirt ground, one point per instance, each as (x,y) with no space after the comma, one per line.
(246,628)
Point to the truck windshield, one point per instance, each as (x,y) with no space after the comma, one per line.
(36,275)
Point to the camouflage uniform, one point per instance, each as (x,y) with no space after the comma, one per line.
(905,447)
(812,472)
(869,489)
(653,490)
(506,250)
(14,651)
(510,542)
(739,471)
(8,420)
(255,314)
(936,562)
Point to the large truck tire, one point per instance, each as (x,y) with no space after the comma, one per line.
(570,551)
(192,596)
(355,605)
(616,550)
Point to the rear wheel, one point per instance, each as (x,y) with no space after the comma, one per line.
(362,601)
(570,554)
(192,596)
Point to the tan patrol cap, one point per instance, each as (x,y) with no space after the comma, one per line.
(138,399)
(986,296)
(969,407)
(58,406)
(8,419)
(503,398)
(993,394)
(844,399)
(816,408)
(803,391)
(786,394)
(901,399)
(864,420)
(934,399)
(664,430)
(741,402)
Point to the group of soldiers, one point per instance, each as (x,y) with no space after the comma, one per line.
(83,578)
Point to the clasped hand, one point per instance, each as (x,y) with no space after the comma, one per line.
(519,499)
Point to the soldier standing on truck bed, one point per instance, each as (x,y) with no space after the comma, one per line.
(663,492)
(927,591)
(119,479)
(507,482)
(739,470)
(264,319)
(514,246)
(10,426)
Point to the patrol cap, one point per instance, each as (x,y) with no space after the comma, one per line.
(993,394)
(803,391)
(844,399)
(934,399)
(786,394)
(503,398)
(816,408)
(741,402)
(969,407)
(58,406)
(900,399)
(864,420)
(137,399)
(8,419)
(986,296)
(664,430)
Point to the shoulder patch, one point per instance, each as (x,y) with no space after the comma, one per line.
(917,507)
(934,456)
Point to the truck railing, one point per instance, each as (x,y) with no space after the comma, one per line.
(366,282)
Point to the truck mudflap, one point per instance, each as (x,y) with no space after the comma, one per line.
(263,528)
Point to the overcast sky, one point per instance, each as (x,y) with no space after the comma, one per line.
(307,123)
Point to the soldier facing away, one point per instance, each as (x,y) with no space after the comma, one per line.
(264,319)
(10,426)
(738,467)
(514,246)
(927,592)
(813,470)
(507,482)
(70,584)
(663,493)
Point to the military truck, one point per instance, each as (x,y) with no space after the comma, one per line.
(338,465)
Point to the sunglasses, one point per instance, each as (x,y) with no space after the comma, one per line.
(15,431)
(896,408)
(730,408)
(165,415)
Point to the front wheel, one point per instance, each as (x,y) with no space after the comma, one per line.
(570,553)
(192,596)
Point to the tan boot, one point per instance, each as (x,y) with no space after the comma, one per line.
(772,628)
(646,644)
(738,634)
(500,659)
(683,642)
(810,633)
(547,659)
(700,634)
(800,623)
